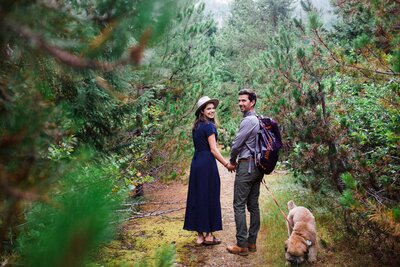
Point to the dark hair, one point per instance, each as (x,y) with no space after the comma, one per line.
(252,95)
(202,118)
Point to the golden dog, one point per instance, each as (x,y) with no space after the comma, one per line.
(302,242)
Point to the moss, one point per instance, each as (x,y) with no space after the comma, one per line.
(140,239)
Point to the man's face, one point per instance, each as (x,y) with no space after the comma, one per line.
(245,104)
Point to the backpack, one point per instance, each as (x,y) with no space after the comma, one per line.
(268,144)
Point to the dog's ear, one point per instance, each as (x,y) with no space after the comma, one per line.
(291,204)
(309,243)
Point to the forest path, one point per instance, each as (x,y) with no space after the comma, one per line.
(188,253)
(140,238)
(217,255)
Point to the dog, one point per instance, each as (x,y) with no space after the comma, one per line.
(302,243)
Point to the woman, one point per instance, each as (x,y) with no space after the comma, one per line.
(203,207)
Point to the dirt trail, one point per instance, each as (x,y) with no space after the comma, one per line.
(139,239)
(191,255)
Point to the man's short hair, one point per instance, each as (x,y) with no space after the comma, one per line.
(252,95)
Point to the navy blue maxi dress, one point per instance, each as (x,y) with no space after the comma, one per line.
(203,207)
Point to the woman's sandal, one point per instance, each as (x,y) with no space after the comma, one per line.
(199,244)
(215,241)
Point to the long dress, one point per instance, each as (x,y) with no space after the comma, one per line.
(203,207)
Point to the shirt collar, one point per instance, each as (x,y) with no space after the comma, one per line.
(249,113)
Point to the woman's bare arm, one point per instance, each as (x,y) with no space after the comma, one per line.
(215,151)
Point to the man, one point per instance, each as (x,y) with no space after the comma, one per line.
(248,177)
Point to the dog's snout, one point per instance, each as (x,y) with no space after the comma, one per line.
(295,260)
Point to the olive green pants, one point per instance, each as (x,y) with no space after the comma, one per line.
(246,193)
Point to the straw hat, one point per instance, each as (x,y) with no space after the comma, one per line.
(204,100)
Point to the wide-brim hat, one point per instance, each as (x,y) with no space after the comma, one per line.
(204,100)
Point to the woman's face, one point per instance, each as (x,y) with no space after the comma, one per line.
(209,111)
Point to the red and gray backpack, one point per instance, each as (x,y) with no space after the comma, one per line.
(268,144)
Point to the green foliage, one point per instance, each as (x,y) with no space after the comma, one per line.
(370,29)
(349,181)
(314,22)
(347,200)
(62,150)
(361,41)
(75,219)
(372,130)
(164,257)
(335,95)
(54,102)
(300,54)
(395,62)
(396,214)
(306,5)
(275,11)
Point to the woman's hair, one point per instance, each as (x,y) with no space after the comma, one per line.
(202,118)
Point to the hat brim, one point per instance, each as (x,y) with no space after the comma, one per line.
(214,101)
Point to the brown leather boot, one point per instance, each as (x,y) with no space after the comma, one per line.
(252,247)
(238,250)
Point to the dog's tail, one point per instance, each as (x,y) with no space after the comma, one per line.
(291,205)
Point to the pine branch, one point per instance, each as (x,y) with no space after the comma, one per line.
(350,66)
(75,61)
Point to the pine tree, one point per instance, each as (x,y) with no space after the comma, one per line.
(273,12)
(62,90)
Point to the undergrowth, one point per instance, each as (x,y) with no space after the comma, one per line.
(335,248)
(152,241)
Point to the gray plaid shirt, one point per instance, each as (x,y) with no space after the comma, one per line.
(249,126)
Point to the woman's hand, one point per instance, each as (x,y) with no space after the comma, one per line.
(231,167)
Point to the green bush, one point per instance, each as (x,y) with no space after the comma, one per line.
(77,217)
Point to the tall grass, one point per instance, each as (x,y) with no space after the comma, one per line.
(272,221)
(334,246)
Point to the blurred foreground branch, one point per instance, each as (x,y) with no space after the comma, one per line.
(67,58)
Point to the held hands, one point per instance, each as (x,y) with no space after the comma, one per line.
(231,167)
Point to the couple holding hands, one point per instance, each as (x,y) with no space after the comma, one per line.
(203,208)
